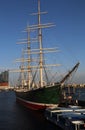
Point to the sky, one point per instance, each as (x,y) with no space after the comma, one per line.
(68,34)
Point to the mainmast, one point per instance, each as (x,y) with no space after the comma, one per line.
(40,44)
(42,50)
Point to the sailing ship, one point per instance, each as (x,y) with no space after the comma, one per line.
(36,91)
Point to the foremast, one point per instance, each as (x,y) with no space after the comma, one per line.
(29,58)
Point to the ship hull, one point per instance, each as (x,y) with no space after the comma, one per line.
(39,99)
(33,105)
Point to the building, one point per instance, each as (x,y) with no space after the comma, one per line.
(4,79)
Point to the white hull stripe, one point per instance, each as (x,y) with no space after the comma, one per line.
(43,104)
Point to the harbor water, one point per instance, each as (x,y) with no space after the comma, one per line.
(13,116)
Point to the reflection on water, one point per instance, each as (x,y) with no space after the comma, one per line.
(15,117)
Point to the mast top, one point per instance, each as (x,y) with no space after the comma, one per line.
(38,6)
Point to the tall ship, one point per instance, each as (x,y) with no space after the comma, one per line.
(36,90)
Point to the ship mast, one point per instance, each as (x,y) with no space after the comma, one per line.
(22,70)
(40,45)
(42,50)
(39,51)
(29,59)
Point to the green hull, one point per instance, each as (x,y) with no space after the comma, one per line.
(49,95)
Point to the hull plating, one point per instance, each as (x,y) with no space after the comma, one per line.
(39,98)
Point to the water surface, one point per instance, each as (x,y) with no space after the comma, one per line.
(15,117)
